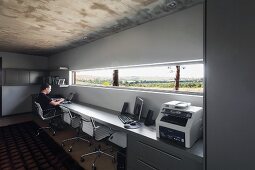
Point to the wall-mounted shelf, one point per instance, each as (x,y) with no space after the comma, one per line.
(64,85)
(57,75)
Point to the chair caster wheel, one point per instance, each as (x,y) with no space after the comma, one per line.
(82,159)
(54,133)
(113,160)
(94,167)
(70,150)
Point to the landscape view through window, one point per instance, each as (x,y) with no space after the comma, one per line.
(158,77)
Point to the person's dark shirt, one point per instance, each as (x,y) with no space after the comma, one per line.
(44,101)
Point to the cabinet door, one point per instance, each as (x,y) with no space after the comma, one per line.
(150,154)
(11,77)
(23,77)
(36,77)
(143,166)
(16,77)
(158,158)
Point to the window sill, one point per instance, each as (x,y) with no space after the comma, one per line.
(142,90)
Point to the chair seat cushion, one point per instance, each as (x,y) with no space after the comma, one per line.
(102,132)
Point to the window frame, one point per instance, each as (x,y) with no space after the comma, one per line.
(200,61)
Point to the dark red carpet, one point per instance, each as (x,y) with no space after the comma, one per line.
(21,149)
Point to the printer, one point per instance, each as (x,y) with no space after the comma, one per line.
(179,123)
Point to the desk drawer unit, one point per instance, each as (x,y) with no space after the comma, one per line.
(142,165)
(157,158)
(145,154)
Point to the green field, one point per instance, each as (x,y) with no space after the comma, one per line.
(192,86)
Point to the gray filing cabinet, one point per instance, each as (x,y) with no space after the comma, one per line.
(16,77)
(36,77)
(148,154)
(23,77)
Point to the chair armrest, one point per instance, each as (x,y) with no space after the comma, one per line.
(66,110)
(48,110)
(85,120)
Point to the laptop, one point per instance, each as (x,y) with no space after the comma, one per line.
(68,99)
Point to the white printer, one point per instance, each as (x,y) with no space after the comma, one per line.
(179,123)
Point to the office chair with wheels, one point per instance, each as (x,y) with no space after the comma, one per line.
(46,115)
(75,122)
(98,133)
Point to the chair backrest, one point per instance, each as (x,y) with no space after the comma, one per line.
(102,132)
(98,132)
(67,116)
(39,110)
(88,126)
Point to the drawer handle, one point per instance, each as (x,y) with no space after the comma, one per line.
(147,164)
(173,156)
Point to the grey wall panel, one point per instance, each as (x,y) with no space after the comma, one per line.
(114,98)
(176,37)
(17,99)
(14,60)
(230,85)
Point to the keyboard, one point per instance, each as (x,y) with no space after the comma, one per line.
(125,119)
(66,102)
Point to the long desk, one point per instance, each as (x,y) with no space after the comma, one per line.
(143,134)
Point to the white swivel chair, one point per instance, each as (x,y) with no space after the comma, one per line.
(46,115)
(98,133)
(75,122)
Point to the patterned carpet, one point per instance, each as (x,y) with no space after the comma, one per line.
(21,149)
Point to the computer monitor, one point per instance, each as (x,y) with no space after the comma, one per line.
(138,108)
(70,97)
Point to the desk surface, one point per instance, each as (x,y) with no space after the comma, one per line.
(110,117)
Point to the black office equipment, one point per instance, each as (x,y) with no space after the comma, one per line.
(123,115)
(125,119)
(124,108)
(68,99)
(138,108)
(121,159)
(148,120)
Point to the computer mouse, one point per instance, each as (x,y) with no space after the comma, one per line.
(133,123)
(126,126)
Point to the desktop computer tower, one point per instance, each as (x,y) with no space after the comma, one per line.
(121,159)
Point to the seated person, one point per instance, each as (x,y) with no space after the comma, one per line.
(45,101)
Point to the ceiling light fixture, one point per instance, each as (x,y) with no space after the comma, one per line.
(116,27)
(171,4)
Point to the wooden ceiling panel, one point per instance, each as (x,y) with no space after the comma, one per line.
(45,27)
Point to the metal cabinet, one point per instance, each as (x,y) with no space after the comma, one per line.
(21,77)
(16,77)
(36,77)
(142,165)
(157,158)
(148,154)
